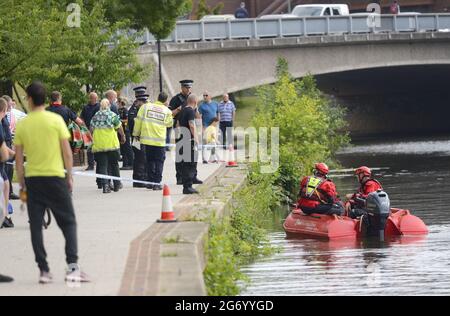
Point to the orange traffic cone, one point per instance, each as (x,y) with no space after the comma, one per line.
(167,214)
(232,159)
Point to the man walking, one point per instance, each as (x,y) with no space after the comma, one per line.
(87,114)
(150,128)
(187,143)
(45,181)
(227,114)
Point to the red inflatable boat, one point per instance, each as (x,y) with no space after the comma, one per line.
(398,223)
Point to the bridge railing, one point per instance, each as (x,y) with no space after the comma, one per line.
(186,31)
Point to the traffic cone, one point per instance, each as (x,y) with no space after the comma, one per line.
(167,214)
(232,159)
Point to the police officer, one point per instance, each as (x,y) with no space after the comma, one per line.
(188,143)
(139,163)
(177,103)
(150,127)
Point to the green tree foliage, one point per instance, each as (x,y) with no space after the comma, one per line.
(158,16)
(311,128)
(38,44)
(204,9)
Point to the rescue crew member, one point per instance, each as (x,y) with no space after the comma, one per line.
(150,128)
(188,143)
(177,103)
(368,185)
(318,193)
(139,163)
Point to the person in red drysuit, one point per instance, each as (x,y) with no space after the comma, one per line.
(318,193)
(367,185)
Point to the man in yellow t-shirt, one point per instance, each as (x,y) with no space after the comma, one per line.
(43,137)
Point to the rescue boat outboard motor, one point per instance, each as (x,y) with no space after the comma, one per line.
(378,209)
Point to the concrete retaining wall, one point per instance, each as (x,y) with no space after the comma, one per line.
(169,259)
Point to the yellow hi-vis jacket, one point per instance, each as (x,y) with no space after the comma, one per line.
(151,124)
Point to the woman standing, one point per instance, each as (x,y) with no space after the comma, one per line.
(104,125)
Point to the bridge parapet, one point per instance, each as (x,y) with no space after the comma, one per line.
(186,31)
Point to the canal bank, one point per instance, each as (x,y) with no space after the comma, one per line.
(169,259)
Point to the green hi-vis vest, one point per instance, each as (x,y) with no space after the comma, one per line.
(312,185)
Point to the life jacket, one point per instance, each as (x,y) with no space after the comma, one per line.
(313,192)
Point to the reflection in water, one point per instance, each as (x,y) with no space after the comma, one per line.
(416,180)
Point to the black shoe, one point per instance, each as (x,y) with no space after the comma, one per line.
(99,186)
(205,162)
(157,187)
(179,182)
(126,168)
(190,191)
(106,188)
(139,185)
(13,196)
(118,187)
(150,186)
(89,168)
(5,279)
(197,181)
(8,223)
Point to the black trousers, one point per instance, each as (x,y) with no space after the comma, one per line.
(9,169)
(140,165)
(189,166)
(155,162)
(90,157)
(226,133)
(326,209)
(127,151)
(178,163)
(108,164)
(52,193)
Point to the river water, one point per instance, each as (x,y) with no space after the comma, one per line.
(416,175)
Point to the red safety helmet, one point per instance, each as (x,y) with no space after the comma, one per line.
(322,168)
(363,170)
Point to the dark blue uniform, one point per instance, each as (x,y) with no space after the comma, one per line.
(140,161)
(177,101)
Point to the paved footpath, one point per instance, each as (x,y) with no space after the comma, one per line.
(106,226)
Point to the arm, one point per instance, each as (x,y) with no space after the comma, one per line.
(68,162)
(122,135)
(138,123)
(19,166)
(193,130)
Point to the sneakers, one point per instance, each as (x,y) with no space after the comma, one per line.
(45,278)
(106,189)
(190,191)
(75,275)
(13,196)
(7,223)
(5,279)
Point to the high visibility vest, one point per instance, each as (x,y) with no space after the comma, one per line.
(312,190)
(151,124)
(312,185)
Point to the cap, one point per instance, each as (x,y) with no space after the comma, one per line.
(142,97)
(140,90)
(187,83)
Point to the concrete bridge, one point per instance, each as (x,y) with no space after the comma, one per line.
(229,56)
(328,50)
